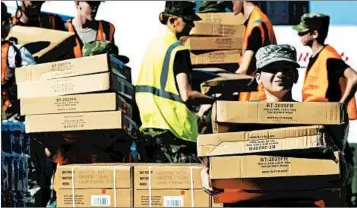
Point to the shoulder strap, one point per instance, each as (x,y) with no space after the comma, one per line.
(108,30)
(78,48)
(52,20)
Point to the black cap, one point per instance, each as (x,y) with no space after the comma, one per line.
(184,9)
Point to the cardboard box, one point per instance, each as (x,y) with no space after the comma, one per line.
(225,18)
(169,185)
(305,138)
(75,104)
(73,67)
(214,43)
(229,83)
(215,57)
(94,198)
(94,185)
(304,113)
(75,85)
(267,166)
(212,29)
(45,45)
(79,122)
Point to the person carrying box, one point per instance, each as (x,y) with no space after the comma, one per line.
(86,28)
(29,14)
(328,78)
(258,33)
(164,94)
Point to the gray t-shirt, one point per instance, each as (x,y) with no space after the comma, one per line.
(86,34)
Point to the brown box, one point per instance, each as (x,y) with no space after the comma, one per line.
(45,45)
(233,112)
(310,138)
(229,83)
(73,67)
(225,18)
(212,29)
(75,85)
(78,122)
(169,184)
(94,185)
(215,57)
(214,43)
(265,166)
(75,104)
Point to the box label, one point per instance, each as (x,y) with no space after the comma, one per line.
(280,111)
(262,144)
(155,201)
(66,104)
(78,199)
(59,70)
(165,178)
(273,164)
(73,121)
(62,86)
(100,200)
(173,201)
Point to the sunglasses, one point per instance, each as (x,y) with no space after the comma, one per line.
(303,33)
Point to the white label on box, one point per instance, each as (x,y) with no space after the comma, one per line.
(100,200)
(173,201)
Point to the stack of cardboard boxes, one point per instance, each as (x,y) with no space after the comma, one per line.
(216,39)
(131,185)
(78,98)
(294,157)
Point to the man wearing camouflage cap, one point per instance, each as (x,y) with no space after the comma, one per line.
(328,78)
(164,94)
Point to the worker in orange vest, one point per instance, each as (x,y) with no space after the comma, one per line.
(29,14)
(328,78)
(277,73)
(86,28)
(258,33)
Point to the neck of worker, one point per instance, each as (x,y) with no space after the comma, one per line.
(316,47)
(278,96)
(81,22)
(247,9)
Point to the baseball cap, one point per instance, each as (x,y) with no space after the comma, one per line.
(276,53)
(183,9)
(312,21)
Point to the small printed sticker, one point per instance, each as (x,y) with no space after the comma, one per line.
(173,201)
(100,200)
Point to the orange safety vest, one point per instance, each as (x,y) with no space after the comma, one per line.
(256,19)
(101,35)
(51,21)
(4,65)
(316,81)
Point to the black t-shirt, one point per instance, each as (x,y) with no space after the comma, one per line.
(182,64)
(45,22)
(335,69)
(255,40)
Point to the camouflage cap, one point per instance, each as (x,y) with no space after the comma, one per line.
(184,9)
(312,21)
(276,53)
(101,47)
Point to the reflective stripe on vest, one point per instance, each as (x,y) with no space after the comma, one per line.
(316,81)
(257,19)
(157,96)
(4,65)
(101,35)
(163,79)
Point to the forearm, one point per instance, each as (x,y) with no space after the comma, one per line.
(246,61)
(351,88)
(198,98)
